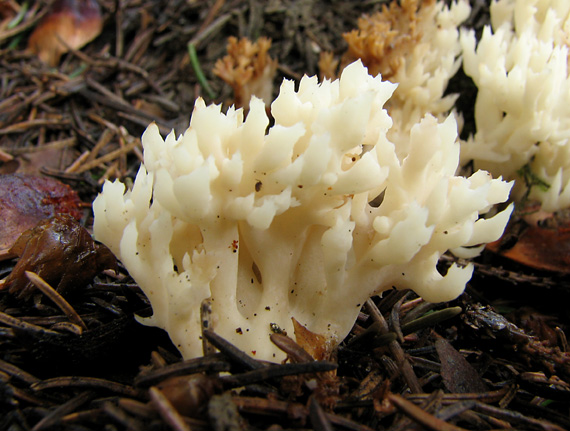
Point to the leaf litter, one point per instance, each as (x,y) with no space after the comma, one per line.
(73,356)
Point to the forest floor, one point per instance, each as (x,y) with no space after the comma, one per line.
(495,358)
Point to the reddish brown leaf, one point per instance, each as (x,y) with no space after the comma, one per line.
(70,24)
(25,200)
(541,242)
(61,252)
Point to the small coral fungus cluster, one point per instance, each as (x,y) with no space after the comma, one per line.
(519,65)
(249,70)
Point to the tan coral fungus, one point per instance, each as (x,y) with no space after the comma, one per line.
(249,70)
(385,38)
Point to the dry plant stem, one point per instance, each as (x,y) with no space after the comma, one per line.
(120,36)
(124,108)
(13,322)
(107,306)
(455,409)
(373,333)
(17,373)
(430,320)
(216,7)
(140,45)
(91,415)
(108,157)
(211,30)
(295,353)
(211,363)
(390,299)
(417,312)
(395,349)
(426,364)
(24,126)
(292,410)
(57,415)
(510,395)
(450,399)
(58,300)
(25,396)
(487,420)
(342,422)
(143,121)
(510,277)
(318,417)
(101,89)
(122,417)
(4,156)
(427,405)
(411,304)
(135,407)
(77,162)
(275,371)
(103,122)
(157,360)
(420,415)
(25,25)
(270,406)
(111,171)
(103,140)
(67,326)
(512,416)
(86,382)
(231,351)
(114,63)
(167,410)
(70,176)
(395,318)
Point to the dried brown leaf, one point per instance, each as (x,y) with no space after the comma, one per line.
(25,200)
(62,253)
(70,25)
(541,242)
(314,344)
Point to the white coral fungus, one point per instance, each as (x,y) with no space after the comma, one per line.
(522,112)
(271,226)
(435,58)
